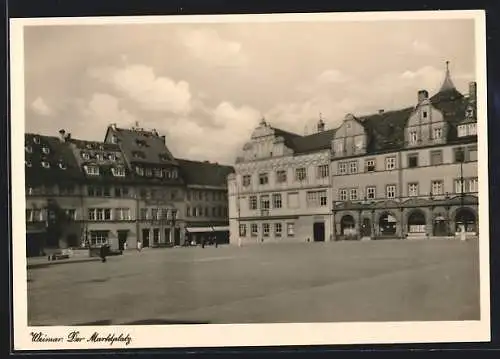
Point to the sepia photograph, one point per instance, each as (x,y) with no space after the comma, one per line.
(249,180)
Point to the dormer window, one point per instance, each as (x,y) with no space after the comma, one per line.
(438,133)
(163,157)
(158,173)
(118,171)
(89,146)
(166,173)
(111,157)
(85,155)
(469,113)
(28,148)
(92,170)
(413,137)
(139,171)
(45,164)
(114,139)
(36,140)
(149,172)
(472,129)
(138,154)
(141,143)
(27,163)
(174,174)
(62,166)
(99,156)
(101,147)
(339,147)
(45,150)
(424,114)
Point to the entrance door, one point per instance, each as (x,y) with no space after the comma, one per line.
(156,236)
(440,227)
(145,238)
(366,228)
(122,238)
(167,235)
(319,231)
(177,236)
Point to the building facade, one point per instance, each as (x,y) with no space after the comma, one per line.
(126,189)
(281,190)
(408,173)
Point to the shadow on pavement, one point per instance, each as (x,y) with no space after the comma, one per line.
(143,322)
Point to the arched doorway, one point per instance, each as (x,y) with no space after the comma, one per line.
(387,224)
(416,222)
(439,227)
(465,219)
(347,226)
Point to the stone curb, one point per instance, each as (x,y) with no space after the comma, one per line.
(59,262)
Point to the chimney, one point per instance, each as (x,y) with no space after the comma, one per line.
(381,111)
(164,139)
(321,126)
(113,126)
(472,91)
(422,95)
(62,135)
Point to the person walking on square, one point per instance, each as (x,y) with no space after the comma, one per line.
(103,252)
(139,246)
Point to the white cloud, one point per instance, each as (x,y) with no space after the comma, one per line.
(207,45)
(104,109)
(151,92)
(422,48)
(40,107)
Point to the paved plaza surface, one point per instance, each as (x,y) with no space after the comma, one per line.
(302,282)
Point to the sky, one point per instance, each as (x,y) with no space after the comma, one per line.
(206,86)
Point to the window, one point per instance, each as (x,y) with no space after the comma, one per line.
(66,189)
(277,203)
(462,130)
(300,174)
(353,167)
(353,194)
(92,214)
(472,153)
(158,173)
(424,114)
(122,214)
(107,214)
(459,186)
(45,150)
(323,198)
(472,129)
(27,163)
(413,137)
(472,185)
(28,148)
(263,178)
(149,172)
(144,213)
(343,195)
(290,229)
(243,230)
(437,188)
(36,140)
(106,191)
(322,171)
(98,238)
(138,154)
(390,191)
(247,180)
(92,170)
(252,202)
(254,229)
(342,168)
(293,200)
(45,164)
(316,198)
(413,160)
(188,211)
(339,147)
(412,189)
(277,229)
(62,166)
(370,192)
(436,157)
(280,176)
(174,173)
(85,155)
(264,202)
(155,213)
(370,165)
(390,163)
(118,171)
(438,133)
(459,155)
(111,157)
(265,229)
(29,215)
(139,171)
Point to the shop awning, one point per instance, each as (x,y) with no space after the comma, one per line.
(199,229)
(221,229)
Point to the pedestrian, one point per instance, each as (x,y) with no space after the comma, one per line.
(215,241)
(103,252)
(202,242)
(239,241)
(139,246)
(125,245)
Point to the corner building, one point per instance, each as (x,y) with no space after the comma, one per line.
(409,173)
(280,190)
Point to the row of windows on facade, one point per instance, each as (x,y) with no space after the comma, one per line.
(266,229)
(156,172)
(313,199)
(467,185)
(46,164)
(123,191)
(108,156)
(415,138)
(461,154)
(39,215)
(322,171)
(207,212)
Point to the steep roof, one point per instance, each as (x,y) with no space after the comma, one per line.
(204,173)
(148,145)
(315,142)
(58,153)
